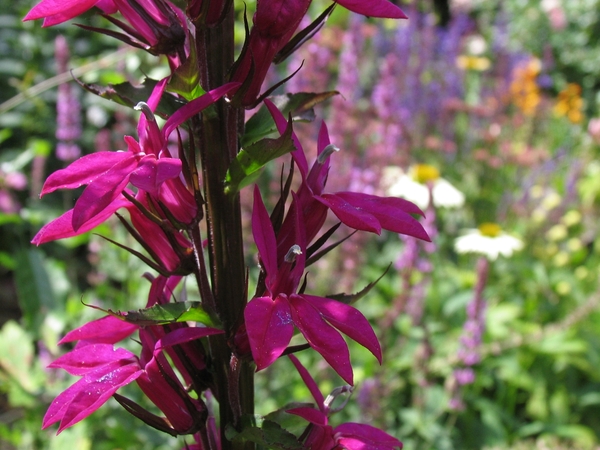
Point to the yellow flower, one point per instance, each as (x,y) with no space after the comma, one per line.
(476,63)
(570,103)
(524,91)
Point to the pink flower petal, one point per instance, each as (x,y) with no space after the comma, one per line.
(310,415)
(62,227)
(269,327)
(89,393)
(102,191)
(282,123)
(195,106)
(83,171)
(350,215)
(86,358)
(107,330)
(374,8)
(349,321)
(63,9)
(364,437)
(152,172)
(264,236)
(393,213)
(183,335)
(309,382)
(321,336)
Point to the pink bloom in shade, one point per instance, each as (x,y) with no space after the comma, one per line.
(357,210)
(270,319)
(104,369)
(350,436)
(147,164)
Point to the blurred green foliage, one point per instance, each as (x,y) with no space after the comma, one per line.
(537,385)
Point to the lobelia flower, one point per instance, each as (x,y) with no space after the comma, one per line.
(146,164)
(104,369)
(350,436)
(275,22)
(157,23)
(359,211)
(270,319)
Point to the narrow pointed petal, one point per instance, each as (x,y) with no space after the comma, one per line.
(62,227)
(86,358)
(374,8)
(63,9)
(183,335)
(102,191)
(310,415)
(152,172)
(264,236)
(282,123)
(322,337)
(350,215)
(89,393)
(269,327)
(393,213)
(308,381)
(83,171)
(195,106)
(107,330)
(169,399)
(349,321)
(365,437)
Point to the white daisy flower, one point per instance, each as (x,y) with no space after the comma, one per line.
(488,240)
(413,186)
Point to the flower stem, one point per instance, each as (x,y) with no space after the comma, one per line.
(219,144)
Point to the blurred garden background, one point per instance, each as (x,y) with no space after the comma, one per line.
(487,115)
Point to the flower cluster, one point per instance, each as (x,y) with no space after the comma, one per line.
(182,180)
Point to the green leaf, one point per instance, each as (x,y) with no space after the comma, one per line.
(33,286)
(246,167)
(264,432)
(169,313)
(186,79)
(299,105)
(17,357)
(129,95)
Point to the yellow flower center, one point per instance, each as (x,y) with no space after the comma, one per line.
(490,229)
(423,173)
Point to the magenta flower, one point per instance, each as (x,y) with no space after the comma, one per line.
(104,369)
(357,210)
(147,165)
(270,319)
(350,436)
(57,11)
(275,22)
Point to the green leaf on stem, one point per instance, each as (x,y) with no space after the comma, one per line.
(299,105)
(168,313)
(129,95)
(264,432)
(245,168)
